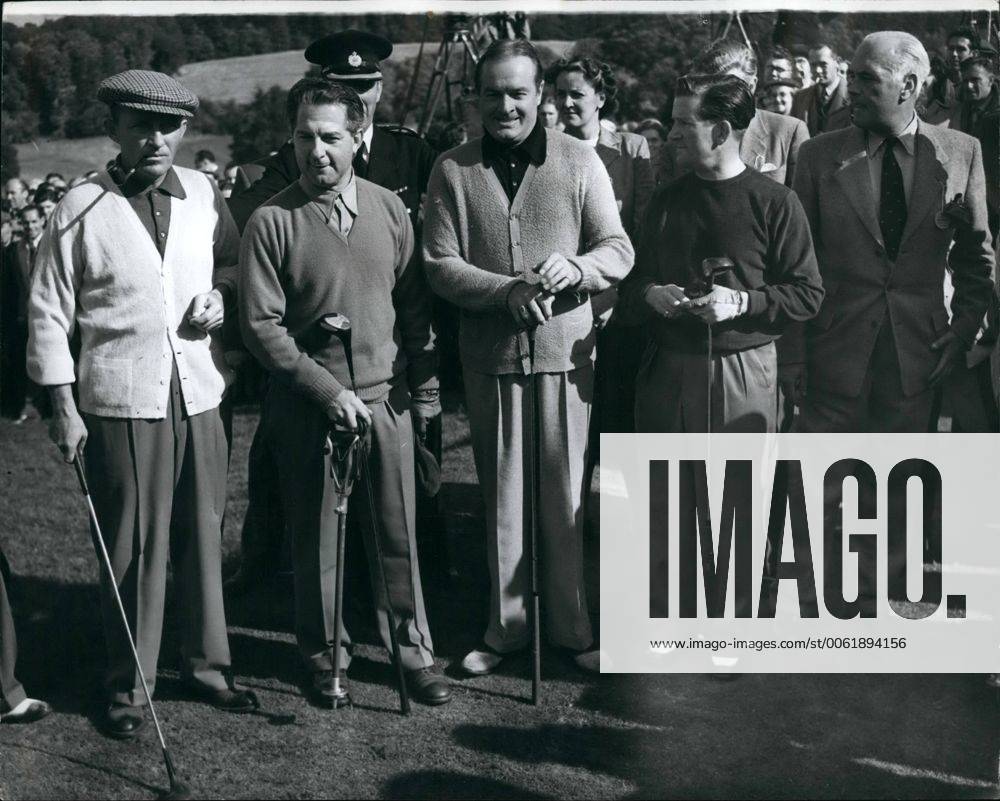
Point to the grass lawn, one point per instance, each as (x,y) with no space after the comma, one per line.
(688,736)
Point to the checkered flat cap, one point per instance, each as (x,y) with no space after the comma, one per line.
(148,91)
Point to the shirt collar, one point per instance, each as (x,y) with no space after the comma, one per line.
(908,139)
(170,185)
(327,200)
(367,137)
(533,147)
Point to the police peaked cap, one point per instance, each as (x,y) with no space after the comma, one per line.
(350,55)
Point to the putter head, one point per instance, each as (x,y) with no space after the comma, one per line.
(705,282)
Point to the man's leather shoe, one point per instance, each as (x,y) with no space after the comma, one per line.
(122,721)
(322,693)
(428,687)
(28,711)
(231,699)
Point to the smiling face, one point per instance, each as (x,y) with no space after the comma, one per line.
(324,147)
(148,140)
(881,100)
(578,103)
(34,223)
(825,67)
(509,96)
(781,99)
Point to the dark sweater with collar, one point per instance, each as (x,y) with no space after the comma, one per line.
(295,268)
(756,222)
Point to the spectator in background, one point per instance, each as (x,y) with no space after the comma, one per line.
(33,185)
(17,194)
(779,96)
(802,67)
(978,97)
(549,114)
(204,161)
(963,44)
(56,180)
(823,106)
(585,93)
(46,198)
(228,182)
(6,229)
(19,265)
(934,105)
(779,65)
(655,134)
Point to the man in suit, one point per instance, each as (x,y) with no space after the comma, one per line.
(823,106)
(771,142)
(885,200)
(392,157)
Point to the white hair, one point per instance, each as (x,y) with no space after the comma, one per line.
(899,52)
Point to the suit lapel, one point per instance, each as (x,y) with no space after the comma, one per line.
(608,147)
(753,148)
(855,181)
(930,179)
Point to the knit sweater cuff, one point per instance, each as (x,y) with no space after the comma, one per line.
(756,302)
(502,292)
(325,389)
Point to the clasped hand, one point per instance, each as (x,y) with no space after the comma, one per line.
(717,306)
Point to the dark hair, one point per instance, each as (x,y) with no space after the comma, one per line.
(723,97)
(978,61)
(45,192)
(321,92)
(799,51)
(508,48)
(31,207)
(822,46)
(55,175)
(204,155)
(965,32)
(651,123)
(726,55)
(599,75)
(779,53)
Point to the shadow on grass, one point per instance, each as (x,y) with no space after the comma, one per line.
(447,785)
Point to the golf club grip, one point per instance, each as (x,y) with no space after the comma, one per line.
(80,475)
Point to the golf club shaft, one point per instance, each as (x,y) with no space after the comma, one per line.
(534,469)
(106,561)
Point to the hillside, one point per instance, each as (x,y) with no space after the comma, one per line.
(238,78)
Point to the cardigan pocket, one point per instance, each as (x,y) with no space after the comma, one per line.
(109,381)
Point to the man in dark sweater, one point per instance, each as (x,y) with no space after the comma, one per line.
(720,209)
(333,242)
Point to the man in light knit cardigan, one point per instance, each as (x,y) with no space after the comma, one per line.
(521,228)
(140,260)
(334,242)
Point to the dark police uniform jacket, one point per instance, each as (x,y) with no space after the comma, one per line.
(399,160)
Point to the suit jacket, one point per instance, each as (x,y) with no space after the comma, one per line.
(399,160)
(626,158)
(770,145)
(864,288)
(22,265)
(805,106)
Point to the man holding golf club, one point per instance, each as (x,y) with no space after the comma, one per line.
(712,364)
(139,262)
(329,243)
(521,228)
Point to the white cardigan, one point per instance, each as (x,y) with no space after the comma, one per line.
(98,270)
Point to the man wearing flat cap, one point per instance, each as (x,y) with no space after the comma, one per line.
(140,261)
(392,157)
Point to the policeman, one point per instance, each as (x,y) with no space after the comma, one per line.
(390,156)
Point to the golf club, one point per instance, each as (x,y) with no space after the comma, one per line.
(178,790)
(710,268)
(533,473)
(340,327)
